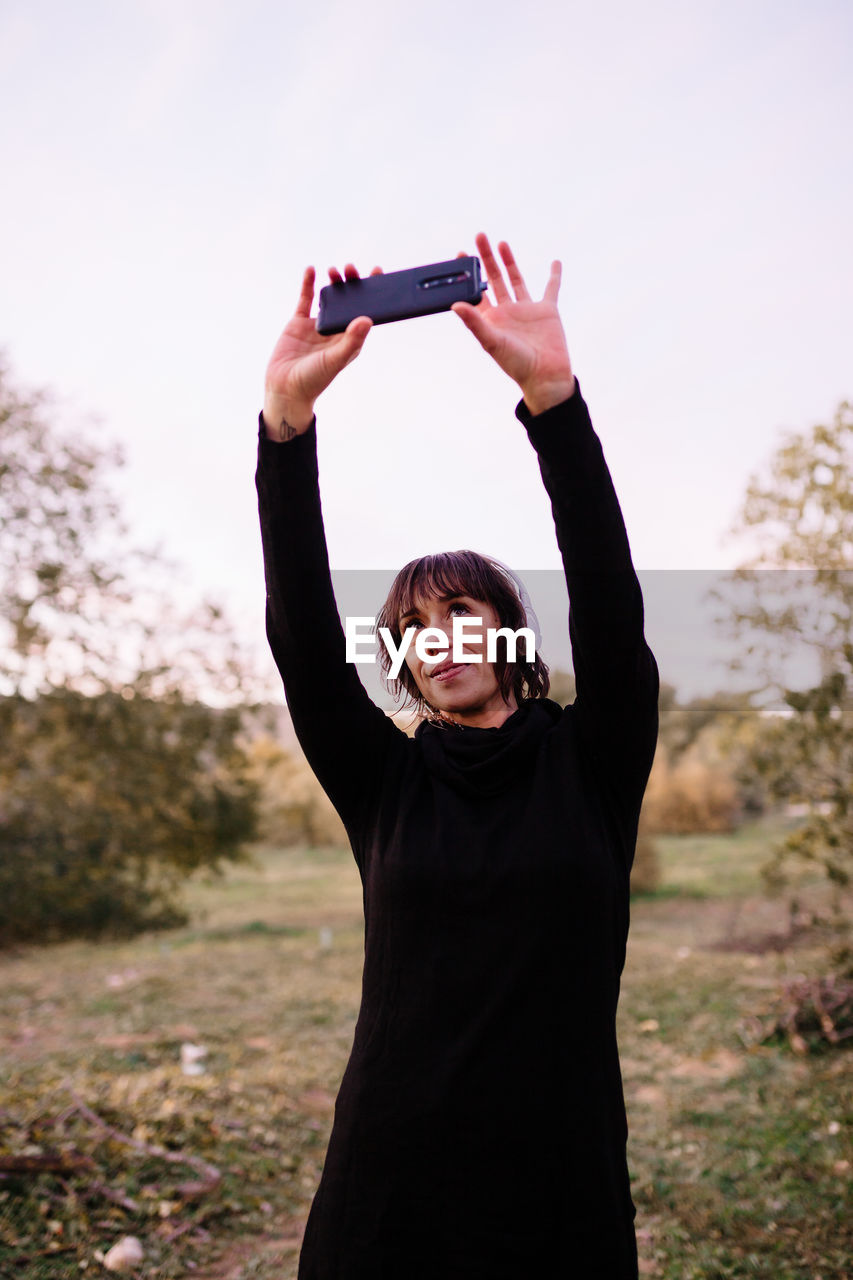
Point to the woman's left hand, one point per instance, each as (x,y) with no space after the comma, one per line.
(524,337)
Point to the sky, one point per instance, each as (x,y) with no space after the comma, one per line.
(170,167)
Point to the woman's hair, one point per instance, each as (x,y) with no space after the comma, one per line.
(459,573)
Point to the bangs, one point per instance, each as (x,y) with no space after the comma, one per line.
(445,577)
(452,573)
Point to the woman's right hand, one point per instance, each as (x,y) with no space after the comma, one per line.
(304,361)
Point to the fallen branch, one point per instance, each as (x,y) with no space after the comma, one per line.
(19,1258)
(115,1197)
(827,1025)
(210,1179)
(178,1231)
(813,1009)
(44,1164)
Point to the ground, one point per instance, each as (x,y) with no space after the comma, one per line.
(739,1149)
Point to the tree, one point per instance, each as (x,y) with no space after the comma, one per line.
(117,776)
(795,597)
(82,606)
(54,512)
(796,591)
(107,803)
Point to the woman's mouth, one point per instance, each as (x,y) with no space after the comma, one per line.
(448,672)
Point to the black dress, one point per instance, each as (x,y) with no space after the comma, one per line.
(480,1129)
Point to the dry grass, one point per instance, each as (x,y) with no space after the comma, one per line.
(737,1149)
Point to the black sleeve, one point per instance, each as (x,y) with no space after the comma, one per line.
(345,737)
(615,673)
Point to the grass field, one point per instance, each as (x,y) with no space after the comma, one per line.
(740,1151)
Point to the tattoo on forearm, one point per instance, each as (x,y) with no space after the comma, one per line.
(286,431)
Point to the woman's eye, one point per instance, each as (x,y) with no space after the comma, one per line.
(459,608)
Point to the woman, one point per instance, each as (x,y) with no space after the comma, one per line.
(480,1128)
(428,595)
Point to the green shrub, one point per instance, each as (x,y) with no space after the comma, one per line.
(106,803)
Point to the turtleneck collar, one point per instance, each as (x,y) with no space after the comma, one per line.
(482,762)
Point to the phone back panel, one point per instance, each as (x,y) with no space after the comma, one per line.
(400,295)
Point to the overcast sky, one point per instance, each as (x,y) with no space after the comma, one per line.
(170,166)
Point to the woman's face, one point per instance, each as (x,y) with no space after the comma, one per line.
(469,692)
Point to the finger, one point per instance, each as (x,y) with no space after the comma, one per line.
(515,277)
(335,276)
(306,293)
(351,272)
(358,329)
(552,288)
(376,271)
(472,318)
(350,342)
(493,271)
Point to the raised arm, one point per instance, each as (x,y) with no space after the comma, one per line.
(524,337)
(615,673)
(345,737)
(304,362)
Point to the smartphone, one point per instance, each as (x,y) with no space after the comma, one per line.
(420,291)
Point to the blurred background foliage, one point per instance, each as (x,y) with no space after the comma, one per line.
(133,751)
(106,803)
(134,755)
(796,591)
(122,761)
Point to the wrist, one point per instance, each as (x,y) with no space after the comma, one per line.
(543,396)
(285,419)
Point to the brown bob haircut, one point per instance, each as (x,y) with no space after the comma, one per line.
(459,573)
